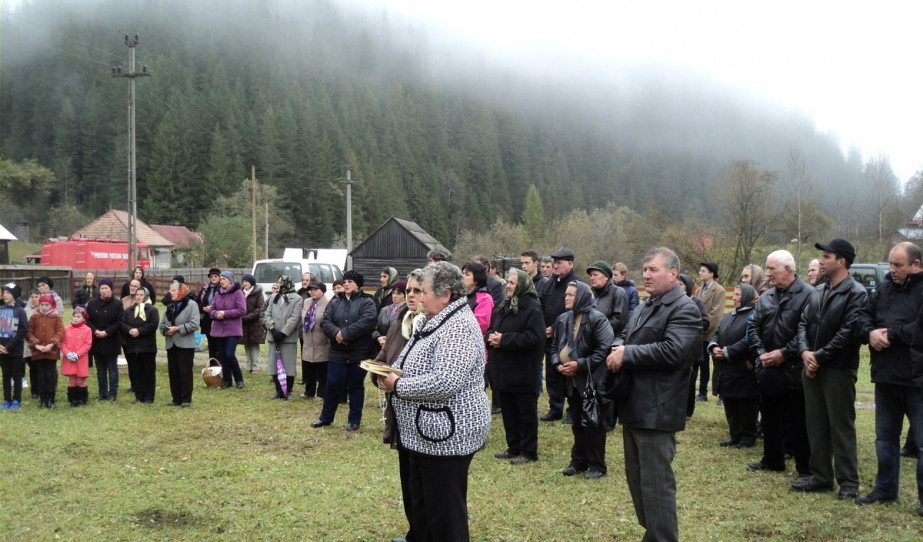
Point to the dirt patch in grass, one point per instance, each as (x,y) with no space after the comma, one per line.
(159,518)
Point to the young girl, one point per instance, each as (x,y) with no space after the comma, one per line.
(46,331)
(78,338)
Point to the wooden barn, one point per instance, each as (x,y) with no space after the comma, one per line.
(397,243)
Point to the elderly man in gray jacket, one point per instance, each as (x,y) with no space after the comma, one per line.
(656,352)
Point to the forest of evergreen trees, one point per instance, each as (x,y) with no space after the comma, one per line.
(302,89)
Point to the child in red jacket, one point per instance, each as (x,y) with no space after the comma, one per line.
(75,364)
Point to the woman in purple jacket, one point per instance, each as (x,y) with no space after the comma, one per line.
(227,309)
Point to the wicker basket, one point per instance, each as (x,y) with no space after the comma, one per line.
(213,375)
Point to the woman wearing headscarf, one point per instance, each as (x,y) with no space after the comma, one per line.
(582,340)
(440,407)
(138,273)
(179,326)
(139,325)
(227,308)
(753,275)
(104,316)
(382,295)
(254,332)
(739,390)
(282,320)
(86,292)
(316,346)
(516,349)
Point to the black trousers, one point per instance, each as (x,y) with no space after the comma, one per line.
(439,497)
(314,374)
(12,368)
(783,419)
(741,414)
(143,365)
(589,449)
(46,375)
(520,422)
(179,370)
(554,385)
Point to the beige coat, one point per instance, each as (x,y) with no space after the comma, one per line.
(316,344)
(715,301)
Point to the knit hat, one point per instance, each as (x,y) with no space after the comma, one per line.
(14,290)
(214,271)
(180,279)
(46,280)
(249,278)
(105,282)
(602,267)
(228,275)
(82,311)
(354,276)
(48,298)
(399,286)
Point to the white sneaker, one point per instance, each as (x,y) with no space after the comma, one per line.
(25,383)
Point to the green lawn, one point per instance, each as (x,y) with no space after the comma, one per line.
(238,466)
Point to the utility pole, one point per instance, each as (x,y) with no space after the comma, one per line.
(253,206)
(349,214)
(132,169)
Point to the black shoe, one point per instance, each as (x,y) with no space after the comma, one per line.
(744,444)
(812,487)
(240,384)
(847,493)
(593,474)
(172,404)
(317,423)
(185,405)
(874,497)
(225,385)
(568,420)
(111,398)
(398,539)
(729,442)
(551,416)
(505,454)
(571,470)
(720,402)
(101,398)
(278,395)
(701,398)
(521,460)
(908,452)
(496,410)
(763,466)
(352,427)
(920,511)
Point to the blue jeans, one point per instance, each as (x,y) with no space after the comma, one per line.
(340,375)
(892,402)
(227,355)
(107,374)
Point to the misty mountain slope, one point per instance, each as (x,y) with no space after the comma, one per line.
(300,89)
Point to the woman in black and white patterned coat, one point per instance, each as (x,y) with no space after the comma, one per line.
(441,410)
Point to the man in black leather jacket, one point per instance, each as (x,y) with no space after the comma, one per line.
(773,337)
(656,351)
(888,324)
(828,339)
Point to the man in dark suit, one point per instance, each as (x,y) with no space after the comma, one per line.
(656,351)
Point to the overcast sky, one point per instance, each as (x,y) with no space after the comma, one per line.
(854,67)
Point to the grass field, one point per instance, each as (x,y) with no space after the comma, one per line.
(238,466)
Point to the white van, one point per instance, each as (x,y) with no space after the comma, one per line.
(324,263)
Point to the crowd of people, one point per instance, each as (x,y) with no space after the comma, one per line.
(783,363)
